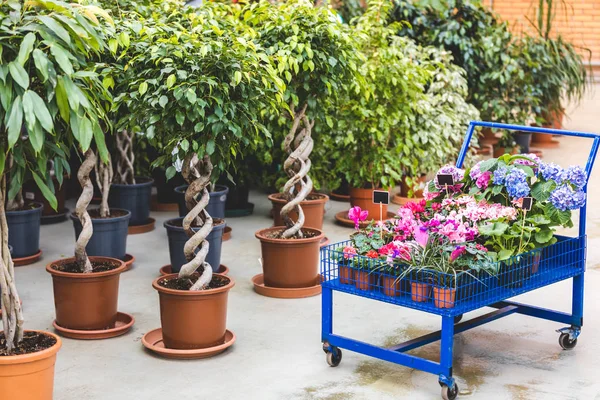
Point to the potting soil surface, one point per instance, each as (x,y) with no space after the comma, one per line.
(73,268)
(32,343)
(187,283)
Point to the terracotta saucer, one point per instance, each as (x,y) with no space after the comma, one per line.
(549,144)
(122,326)
(397,199)
(166,270)
(283,293)
(55,218)
(248,209)
(27,260)
(342,218)
(129,260)
(324,241)
(147,227)
(156,206)
(339,197)
(153,341)
(227,233)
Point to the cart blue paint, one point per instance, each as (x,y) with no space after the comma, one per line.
(563,260)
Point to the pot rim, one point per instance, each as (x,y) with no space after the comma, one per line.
(260,235)
(168,224)
(275,199)
(224,189)
(189,293)
(149,182)
(78,275)
(104,220)
(33,357)
(39,206)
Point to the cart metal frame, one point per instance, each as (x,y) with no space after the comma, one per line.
(450,317)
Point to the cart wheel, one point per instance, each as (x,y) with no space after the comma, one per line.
(449,393)
(334,357)
(565,341)
(458,318)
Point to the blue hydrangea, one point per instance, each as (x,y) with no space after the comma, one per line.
(551,171)
(500,175)
(576,176)
(564,198)
(516,183)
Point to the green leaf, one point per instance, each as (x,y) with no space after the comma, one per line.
(494,229)
(19,74)
(143,88)
(85,133)
(170,173)
(26,47)
(544,235)
(28,110)
(179,117)
(163,101)
(171,80)
(505,254)
(41,63)
(191,95)
(56,27)
(62,100)
(488,164)
(62,58)
(46,192)
(100,142)
(528,170)
(185,145)
(210,147)
(36,137)
(41,111)
(15,122)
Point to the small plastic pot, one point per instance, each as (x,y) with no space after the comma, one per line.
(134,198)
(110,235)
(24,230)
(216,204)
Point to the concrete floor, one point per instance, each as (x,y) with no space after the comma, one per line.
(278,351)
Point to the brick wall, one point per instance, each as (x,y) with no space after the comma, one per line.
(580,23)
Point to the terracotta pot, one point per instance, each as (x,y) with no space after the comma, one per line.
(444,297)
(193,319)
(489,137)
(500,151)
(86,301)
(290,263)
(363,198)
(554,120)
(390,285)
(363,280)
(346,274)
(29,376)
(313,210)
(404,188)
(420,292)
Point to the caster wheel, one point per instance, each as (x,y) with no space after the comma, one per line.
(449,393)
(334,357)
(565,341)
(458,318)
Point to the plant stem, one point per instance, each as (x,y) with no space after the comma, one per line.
(126,158)
(83,176)
(104,177)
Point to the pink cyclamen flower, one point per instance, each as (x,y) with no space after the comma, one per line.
(421,235)
(349,252)
(457,252)
(357,215)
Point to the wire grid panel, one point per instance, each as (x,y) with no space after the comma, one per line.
(449,294)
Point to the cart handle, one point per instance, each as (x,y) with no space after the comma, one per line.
(588,168)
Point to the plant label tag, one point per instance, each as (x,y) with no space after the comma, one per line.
(527,203)
(30,195)
(381,197)
(445,180)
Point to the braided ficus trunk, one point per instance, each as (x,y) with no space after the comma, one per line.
(12,314)
(83,176)
(297,165)
(104,177)
(125,171)
(197,174)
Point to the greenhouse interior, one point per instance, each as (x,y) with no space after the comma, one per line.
(296,199)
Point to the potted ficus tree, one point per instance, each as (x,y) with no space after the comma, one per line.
(202,106)
(315,55)
(43,68)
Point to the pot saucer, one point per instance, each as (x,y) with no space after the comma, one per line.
(156,206)
(342,218)
(147,227)
(397,199)
(166,270)
(227,233)
(55,218)
(27,260)
(324,241)
(153,341)
(248,209)
(128,260)
(553,143)
(283,293)
(339,197)
(122,326)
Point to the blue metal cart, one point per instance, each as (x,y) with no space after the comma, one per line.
(563,260)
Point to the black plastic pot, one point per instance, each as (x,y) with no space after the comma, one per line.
(165,190)
(216,204)
(24,230)
(110,235)
(523,140)
(237,198)
(177,238)
(135,198)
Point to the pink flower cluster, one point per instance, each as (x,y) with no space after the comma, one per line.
(482,179)
(396,249)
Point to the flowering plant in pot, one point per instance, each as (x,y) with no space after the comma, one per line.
(315,55)
(202,107)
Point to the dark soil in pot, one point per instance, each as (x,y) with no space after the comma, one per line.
(32,343)
(186,283)
(24,228)
(135,198)
(177,238)
(110,233)
(216,204)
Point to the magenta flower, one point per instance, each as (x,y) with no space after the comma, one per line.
(457,252)
(421,235)
(483,180)
(357,215)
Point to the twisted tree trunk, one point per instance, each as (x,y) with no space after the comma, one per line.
(83,176)
(297,166)
(104,177)
(126,158)
(12,314)
(197,174)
